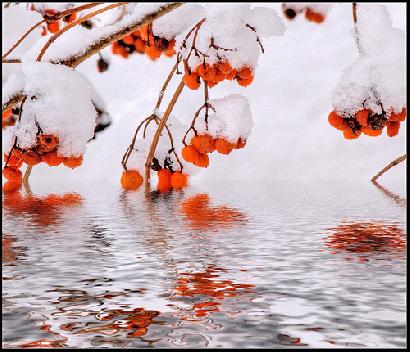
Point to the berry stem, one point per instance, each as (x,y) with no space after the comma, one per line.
(74,23)
(389,166)
(27,176)
(161,126)
(356,30)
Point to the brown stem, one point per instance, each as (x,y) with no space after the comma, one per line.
(165,85)
(74,23)
(161,126)
(75,60)
(356,30)
(95,47)
(21,39)
(59,15)
(257,37)
(388,167)
(206,97)
(26,176)
(192,126)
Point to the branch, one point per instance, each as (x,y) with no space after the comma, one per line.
(161,126)
(57,17)
(356,30)
(75,23)
(388,167)
(107,40)
(97,46)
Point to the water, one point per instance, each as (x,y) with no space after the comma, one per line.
(225,265)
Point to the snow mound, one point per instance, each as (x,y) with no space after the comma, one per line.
(59,102)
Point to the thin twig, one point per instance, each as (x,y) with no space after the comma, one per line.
(32,28)
(206,97)
(59,15)
(389,166)
(74,23)
(257,37)
(165,85)
(192,126)
(161,126)
(97,46)
(27,175)
(131,146)
(356,30)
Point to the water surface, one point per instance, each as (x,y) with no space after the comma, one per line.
(225,265)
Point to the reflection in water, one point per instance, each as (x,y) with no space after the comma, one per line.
(367,238)
(209,288)
(44,211)
(201,216)
(395,197)
(135,269)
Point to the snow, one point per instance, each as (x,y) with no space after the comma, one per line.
(13,29)
(59,101)
(378,75)
(227,25)
(177,21)
(76,40)
(231,120)
(290,99)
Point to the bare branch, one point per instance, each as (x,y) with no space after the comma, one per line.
(388,167)
(161,126)
(75,23)
(105,41)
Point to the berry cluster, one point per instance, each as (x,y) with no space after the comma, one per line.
(368,122)
(50,15)
(144,41)
(310,14)
(213,74)
(168,180)
(44,151)
(201,145)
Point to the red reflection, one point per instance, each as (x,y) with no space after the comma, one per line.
(7,251)
(367,238)
(201,216)
(44,210)
(212,289)
(135,322)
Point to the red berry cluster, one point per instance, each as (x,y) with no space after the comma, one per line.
(50,15)
(201,145)
(310,14)
(44,151)
(213,74)
(368,122)
(144,41)
(168,180)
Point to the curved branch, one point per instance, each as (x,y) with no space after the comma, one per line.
(103,42)
(75,23)
(96,47)
(388,167)
(161,126)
